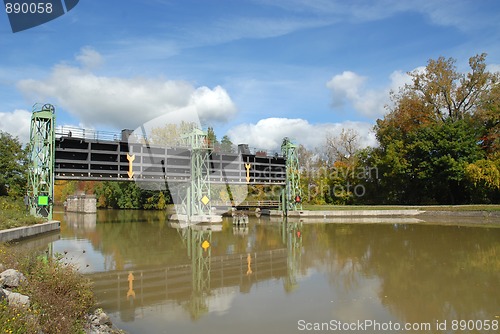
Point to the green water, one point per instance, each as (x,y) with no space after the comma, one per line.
(269,277)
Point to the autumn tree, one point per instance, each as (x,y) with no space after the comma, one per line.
(212,139)
(341,157)
(342,147)
(451,94)
(170,134)
(439,130)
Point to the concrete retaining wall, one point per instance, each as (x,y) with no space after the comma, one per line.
(344,213)
(81,203)
(28,231)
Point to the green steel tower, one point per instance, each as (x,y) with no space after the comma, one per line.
(197,201)
(41,166)
(291,197)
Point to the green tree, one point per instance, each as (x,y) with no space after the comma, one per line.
(13,166)
(212,138)
(487,119)
(436,135)
(226,145)
(484,178)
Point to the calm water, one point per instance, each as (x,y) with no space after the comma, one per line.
(155,277)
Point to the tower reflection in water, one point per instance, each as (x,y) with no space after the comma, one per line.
(191,285)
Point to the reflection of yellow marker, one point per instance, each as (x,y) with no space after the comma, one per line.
(130,292)
(249,262)
(205,244)
(247,166)
(130,159)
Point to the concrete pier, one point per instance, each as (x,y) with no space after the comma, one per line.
(29,231)
(81,203)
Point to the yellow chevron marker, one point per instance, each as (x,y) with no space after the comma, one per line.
(247,166)
(130,159)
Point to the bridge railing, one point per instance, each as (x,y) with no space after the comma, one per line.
(70,131)
(100,135)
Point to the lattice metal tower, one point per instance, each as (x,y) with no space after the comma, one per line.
(41,166)
(197,200)
(291,198)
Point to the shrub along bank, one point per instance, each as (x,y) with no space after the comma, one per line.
(14,214)
(60,297)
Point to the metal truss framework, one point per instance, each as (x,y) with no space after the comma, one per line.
(197,200)
(41,167)
(291,198)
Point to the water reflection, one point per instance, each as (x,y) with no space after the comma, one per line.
(266,276)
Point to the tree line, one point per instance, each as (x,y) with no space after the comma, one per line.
(438,144)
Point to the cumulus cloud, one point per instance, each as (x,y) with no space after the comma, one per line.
(349,87)
(345,86)
(17,123)
(214,103)
(269,133)
(89,58)
(123,102)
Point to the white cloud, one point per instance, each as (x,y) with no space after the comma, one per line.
(345,87)
(124,102)
(89,58)
(269,133)
(214,102)
(349,87)
(462,15)
(225,30)
(17,123)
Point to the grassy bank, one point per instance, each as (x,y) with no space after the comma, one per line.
(474,207)
(14,214)
(60,296)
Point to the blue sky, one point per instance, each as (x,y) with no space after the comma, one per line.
(255,70)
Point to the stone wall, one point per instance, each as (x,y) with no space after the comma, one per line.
(81,203)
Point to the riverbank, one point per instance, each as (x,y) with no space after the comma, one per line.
(44,294)
(13,214)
